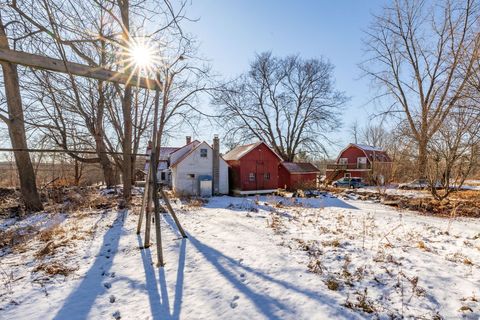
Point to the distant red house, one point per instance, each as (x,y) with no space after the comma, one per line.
(371,164)
(253,168)
(297,175)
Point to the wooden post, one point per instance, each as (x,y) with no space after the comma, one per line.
(156,204)
(95,72)
(144,201)
(172,212)
(41,62)
(148,215)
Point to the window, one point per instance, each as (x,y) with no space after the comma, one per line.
(203,153)
(162,176)
(347,175)
(251,176)
(266,176)
(343,161)
(191,175)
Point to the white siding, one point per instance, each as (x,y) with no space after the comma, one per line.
(196,165)
(182,151)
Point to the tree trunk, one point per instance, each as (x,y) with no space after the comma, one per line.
(16,129)
(127,143)
(422,160)
(126,109)
(108,172)
(77,173)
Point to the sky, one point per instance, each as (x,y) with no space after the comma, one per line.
(231,32)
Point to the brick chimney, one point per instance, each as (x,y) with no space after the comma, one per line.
(216,165)
(188,139)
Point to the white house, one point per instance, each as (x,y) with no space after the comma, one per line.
(198,169)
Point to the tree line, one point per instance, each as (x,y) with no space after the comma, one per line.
(422,56)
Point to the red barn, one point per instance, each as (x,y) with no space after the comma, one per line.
(371,164)
(253,168)
(297,175)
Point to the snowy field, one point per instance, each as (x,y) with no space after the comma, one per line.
(248,258)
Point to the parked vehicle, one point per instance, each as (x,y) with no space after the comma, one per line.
(418,184)
(348,183)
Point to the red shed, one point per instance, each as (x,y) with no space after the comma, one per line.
(253,168)
(371,164)
(297,175)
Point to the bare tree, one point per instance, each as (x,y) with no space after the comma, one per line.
(355,131)
(99,33)
(290,103)
(16,128)
(454,152)
(376,135)
(422,54)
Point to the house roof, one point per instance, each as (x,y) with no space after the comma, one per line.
(166,151)
(239,152)
(372,153)
(367,147)
(300,167)
(186,155)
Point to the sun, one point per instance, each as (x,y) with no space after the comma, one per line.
(142,55)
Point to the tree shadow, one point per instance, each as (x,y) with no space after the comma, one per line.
(241,204)
(231,268)
(157,290)
(80,301)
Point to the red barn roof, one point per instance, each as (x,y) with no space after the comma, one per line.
(371,152)
(300,167)
(239,152)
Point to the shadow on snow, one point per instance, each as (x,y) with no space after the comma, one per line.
(80,301)
(158,299)
(267,202)
(265,304)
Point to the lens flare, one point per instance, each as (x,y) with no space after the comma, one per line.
(142,55)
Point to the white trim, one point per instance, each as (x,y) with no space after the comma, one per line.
(249,192)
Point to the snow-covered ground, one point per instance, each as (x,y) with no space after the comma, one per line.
(252,258)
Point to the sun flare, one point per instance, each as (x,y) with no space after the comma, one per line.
(142,55)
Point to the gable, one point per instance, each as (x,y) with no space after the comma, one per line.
(181,152)
(196,151)
(239,152)
(354,151)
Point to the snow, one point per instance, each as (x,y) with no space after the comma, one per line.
(367,147)
(249,258)
(393,190)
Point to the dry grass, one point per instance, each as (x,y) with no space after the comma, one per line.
(276,224)
(362,303)
(332,243)
(332,284)
(196,203)
(52,233)
(315,266)
(466,203)
(16,237)
(54,268)
(50,248)
(421,245)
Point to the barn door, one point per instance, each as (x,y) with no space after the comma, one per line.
(260,171)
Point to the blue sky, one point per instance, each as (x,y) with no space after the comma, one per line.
(231,32)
